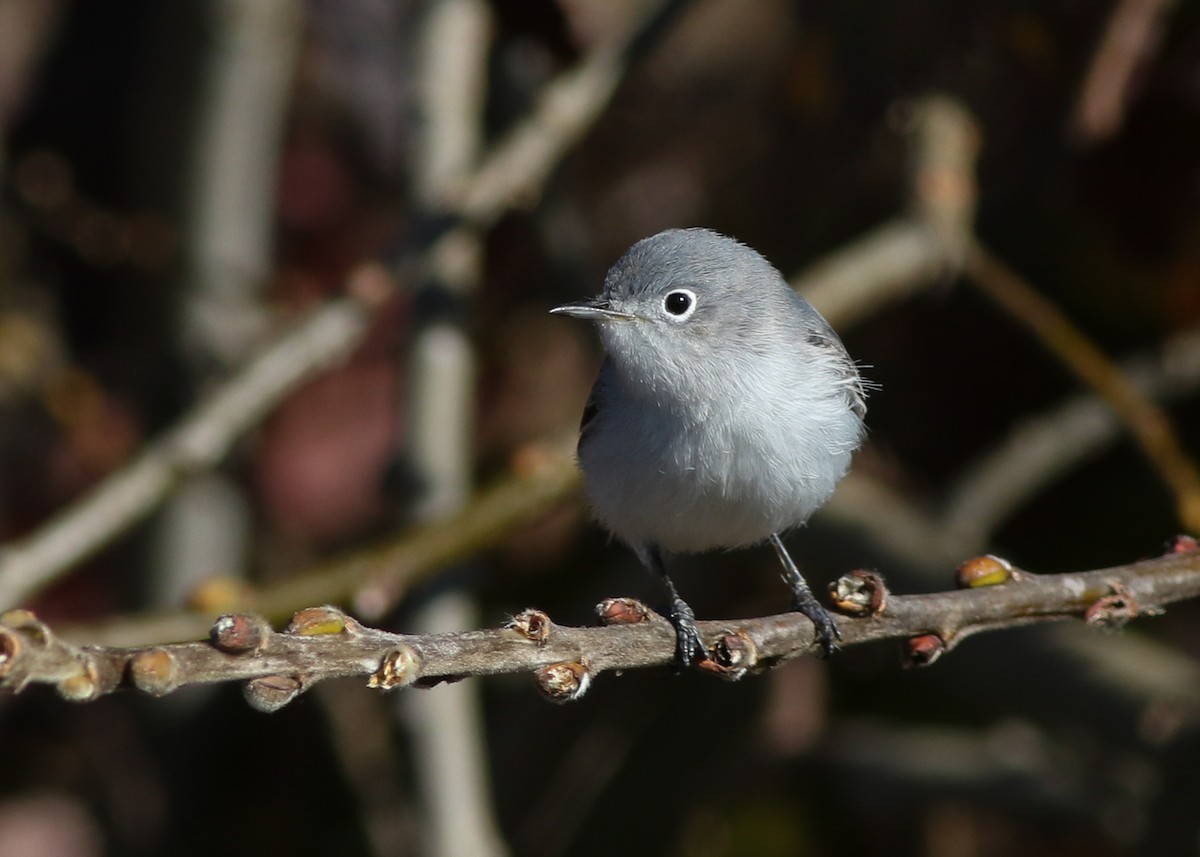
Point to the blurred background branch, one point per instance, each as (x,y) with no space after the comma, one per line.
(197,443)
(447,729)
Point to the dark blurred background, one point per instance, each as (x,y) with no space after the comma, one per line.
(127,290)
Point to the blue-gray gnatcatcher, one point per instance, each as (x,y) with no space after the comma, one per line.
(725,413)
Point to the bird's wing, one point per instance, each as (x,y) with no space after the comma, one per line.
(821,335)
(592,408)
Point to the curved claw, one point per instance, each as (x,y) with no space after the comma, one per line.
(689,647)
(826,630)
(825,627)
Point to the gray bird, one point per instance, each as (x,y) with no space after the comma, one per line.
(725,413)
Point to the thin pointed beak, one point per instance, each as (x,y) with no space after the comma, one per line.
(596,309)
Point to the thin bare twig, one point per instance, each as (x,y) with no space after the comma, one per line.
(254,51)
(446,730)
(322,643)
(1133,35)
(1150,426)
(509,175)
(1043,447)
(893,261)
(543,477)
(198,442)
(926,246)
(513,172)
(943,195)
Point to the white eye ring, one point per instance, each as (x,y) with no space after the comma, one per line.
(680,303)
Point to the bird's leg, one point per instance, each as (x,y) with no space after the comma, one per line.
(803,600)
(689,648)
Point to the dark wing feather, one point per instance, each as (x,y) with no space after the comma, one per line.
(592,408)
(823,336)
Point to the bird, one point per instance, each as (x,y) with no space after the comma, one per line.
(724,414)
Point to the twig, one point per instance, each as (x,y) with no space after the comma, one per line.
(510,174)
(943,148)
(543,477)
(1036,452)
(446,730)
(891,262)
(1043,447)
(513,172)
(1150,426)
(198,442)
(451,77)
(1134,32)
(254,50)
(913,252)
(322,642)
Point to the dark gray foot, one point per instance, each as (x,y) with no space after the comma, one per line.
(803,601)
(689,647)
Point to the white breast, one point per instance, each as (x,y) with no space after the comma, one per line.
(694,474)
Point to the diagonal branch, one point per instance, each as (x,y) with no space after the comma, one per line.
(542,478)
(322,642)
(512,173)
(1147,422)
(936,236)
(198,442)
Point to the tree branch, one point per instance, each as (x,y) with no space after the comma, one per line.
(510,174)
(896,259)
(1037,451)
(373,578)
(1043,447)
(1135,32)
(1147,422)
(197,443)
(323,642)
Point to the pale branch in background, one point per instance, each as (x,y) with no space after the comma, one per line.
(897,259)
(446,731)
(510,175)
(1042,448)
(943,148)
(322,642)
(1037,451)
(514,171)
(229,245)
(518,166)
(197,443)
(1135,32)
(251,65)
(542,479)
(893,261)
(1148,423)
(911,253)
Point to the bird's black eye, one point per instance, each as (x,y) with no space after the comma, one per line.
(679,302)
